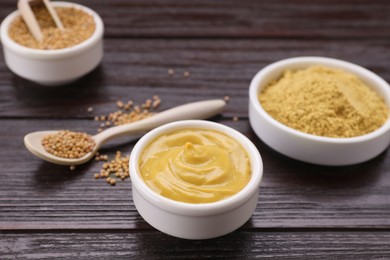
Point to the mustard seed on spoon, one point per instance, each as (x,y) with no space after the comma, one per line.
(68,144)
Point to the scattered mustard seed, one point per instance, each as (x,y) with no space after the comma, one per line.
(156,103)
(171,72)
(128,112)
(235,118)
(186,74)
(101,157)
(116,168)
(147,104)
(119,104)
(226,98)
(128,105)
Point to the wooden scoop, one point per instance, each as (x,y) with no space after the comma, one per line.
(24,7)
(195,110)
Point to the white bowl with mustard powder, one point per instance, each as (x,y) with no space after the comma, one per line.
(60,61)
(321,110)
(195,179)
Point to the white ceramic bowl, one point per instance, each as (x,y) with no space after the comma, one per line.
(195,221)
(312,148)
(53,67)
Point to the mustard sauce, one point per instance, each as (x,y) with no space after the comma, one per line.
(195,166)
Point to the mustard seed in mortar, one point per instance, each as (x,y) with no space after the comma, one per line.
(68,144)
(78,26)
(324,101)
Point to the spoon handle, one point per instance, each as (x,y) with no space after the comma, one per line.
(53,14)
(29,18)
(195,110)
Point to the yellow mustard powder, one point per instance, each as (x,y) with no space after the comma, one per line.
(324,101)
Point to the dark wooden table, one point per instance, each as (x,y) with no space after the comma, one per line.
(304,211)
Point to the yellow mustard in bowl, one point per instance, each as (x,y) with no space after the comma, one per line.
(195,166)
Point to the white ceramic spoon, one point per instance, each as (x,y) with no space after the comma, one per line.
(196,110)
(24,7)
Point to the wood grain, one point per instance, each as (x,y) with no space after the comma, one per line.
(238,245)
(137,69)
(304,211)
(246,18)
(40,195)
